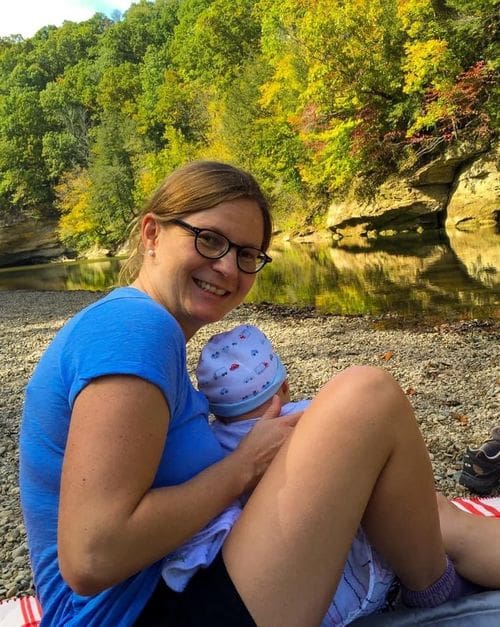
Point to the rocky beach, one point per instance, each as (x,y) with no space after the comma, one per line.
(448,370)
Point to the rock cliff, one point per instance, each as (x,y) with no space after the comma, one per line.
(24,238)
(460,189)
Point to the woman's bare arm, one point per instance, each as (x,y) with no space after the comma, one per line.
(111,523)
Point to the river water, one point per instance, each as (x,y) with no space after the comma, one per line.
(437,274)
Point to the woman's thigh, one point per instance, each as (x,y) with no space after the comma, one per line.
(286,553)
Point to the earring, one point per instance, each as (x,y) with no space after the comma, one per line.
(151,252)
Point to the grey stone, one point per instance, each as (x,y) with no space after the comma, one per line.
(455,361)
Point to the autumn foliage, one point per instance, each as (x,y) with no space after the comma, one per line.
(310,96)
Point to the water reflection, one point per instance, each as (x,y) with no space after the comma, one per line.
(410,276)
(428,274)
(479,253)
(97,275)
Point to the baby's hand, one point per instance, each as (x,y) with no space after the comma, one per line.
(273,411)
(260,446)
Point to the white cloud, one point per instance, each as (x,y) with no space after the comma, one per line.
(25,17)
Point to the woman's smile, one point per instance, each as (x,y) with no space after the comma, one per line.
(209,287)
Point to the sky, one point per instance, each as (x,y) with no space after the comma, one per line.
(25,17)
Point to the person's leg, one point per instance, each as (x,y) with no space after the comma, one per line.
(401,515)
(473,543)
(356,452)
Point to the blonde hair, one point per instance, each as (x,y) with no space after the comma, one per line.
(197,186)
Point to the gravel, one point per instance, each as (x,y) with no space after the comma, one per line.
(449,372)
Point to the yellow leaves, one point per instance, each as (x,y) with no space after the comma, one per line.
(73,194)
(118,88)
(415,16)
(425,62)
(434,112)
(331,162)
(147,182)
(284,79)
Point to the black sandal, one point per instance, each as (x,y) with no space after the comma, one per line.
(481,469)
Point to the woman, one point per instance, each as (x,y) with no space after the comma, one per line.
(119,467)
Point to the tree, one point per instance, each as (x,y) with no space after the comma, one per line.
(143,25)
(314,97)
(472,29)
(111,175)
(69,104)
(24,181)
(76,224)
(336,77)
(214,40)
(43,121)
(450,94)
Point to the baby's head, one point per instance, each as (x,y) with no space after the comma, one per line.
(238,371)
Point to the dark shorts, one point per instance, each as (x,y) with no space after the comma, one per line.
(209,600)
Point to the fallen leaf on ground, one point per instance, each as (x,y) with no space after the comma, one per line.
(387,356)
(410,391)
(461,418)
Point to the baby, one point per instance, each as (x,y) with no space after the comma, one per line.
(239,372)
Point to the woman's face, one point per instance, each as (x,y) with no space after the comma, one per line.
(196,290)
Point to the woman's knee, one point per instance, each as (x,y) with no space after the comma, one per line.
(363,374)
(364,382)
(365,394)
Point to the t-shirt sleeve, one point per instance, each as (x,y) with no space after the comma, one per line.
(125,337)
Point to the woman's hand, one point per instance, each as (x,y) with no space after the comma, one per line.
(258,448)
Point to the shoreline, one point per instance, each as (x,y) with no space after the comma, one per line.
(448,371)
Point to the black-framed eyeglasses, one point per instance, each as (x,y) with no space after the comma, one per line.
(213,245)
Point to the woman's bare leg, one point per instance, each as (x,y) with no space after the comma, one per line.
(472,542)
(355,453)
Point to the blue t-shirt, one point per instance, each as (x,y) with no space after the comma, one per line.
(124,333)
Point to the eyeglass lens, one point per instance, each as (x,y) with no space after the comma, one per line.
(214,245)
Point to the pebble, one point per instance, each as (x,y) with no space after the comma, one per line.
(11,592)
(447,371)
(20,551)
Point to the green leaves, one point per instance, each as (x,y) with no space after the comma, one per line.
(313,97)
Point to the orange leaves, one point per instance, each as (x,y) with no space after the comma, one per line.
(460,418)
(386,356)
